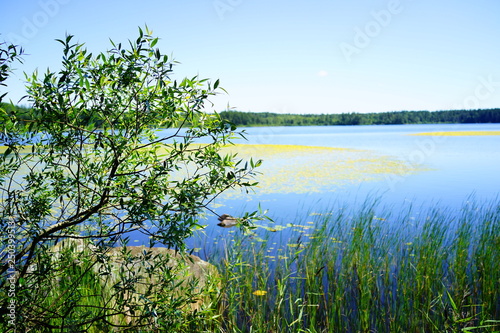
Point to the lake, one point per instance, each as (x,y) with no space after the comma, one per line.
(313,169)
(445,169)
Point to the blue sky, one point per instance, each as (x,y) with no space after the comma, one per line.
(290,56)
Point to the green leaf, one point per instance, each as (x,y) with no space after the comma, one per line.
(7,152)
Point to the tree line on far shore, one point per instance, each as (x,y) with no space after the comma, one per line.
(240,118)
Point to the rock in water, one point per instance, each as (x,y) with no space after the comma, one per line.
(157,272)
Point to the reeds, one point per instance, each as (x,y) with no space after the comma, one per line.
(363,269)
(367,271)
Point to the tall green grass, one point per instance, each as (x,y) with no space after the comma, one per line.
(344,270)
(367,271)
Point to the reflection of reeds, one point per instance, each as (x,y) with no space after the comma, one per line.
(362,272)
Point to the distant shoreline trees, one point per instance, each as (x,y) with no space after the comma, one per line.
(249,119)
(252,119)
(240,118)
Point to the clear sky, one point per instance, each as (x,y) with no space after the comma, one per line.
(289,56)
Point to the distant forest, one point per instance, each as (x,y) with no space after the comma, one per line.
(240,118)
(384,118)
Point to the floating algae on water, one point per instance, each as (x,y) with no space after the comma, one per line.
(307,169)
(311,169)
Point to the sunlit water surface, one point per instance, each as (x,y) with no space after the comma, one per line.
(315,170)
(308,171)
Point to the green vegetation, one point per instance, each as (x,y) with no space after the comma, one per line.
(355,271)
(134,291)
(87,162)
(8,54)
(21,112)
(96,170)
(337,271)
(250,119)
(384,118)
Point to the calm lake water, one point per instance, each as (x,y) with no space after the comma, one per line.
(311,170)
(439,171)
(448,169)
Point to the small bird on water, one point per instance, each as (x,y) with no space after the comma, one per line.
(227,221)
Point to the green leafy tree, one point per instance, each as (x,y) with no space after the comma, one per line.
(8,54)
(112,146)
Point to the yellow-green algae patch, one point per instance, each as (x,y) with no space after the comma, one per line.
(306,169)
(459,133)
(23,150)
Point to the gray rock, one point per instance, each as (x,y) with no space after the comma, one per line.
(188,273)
